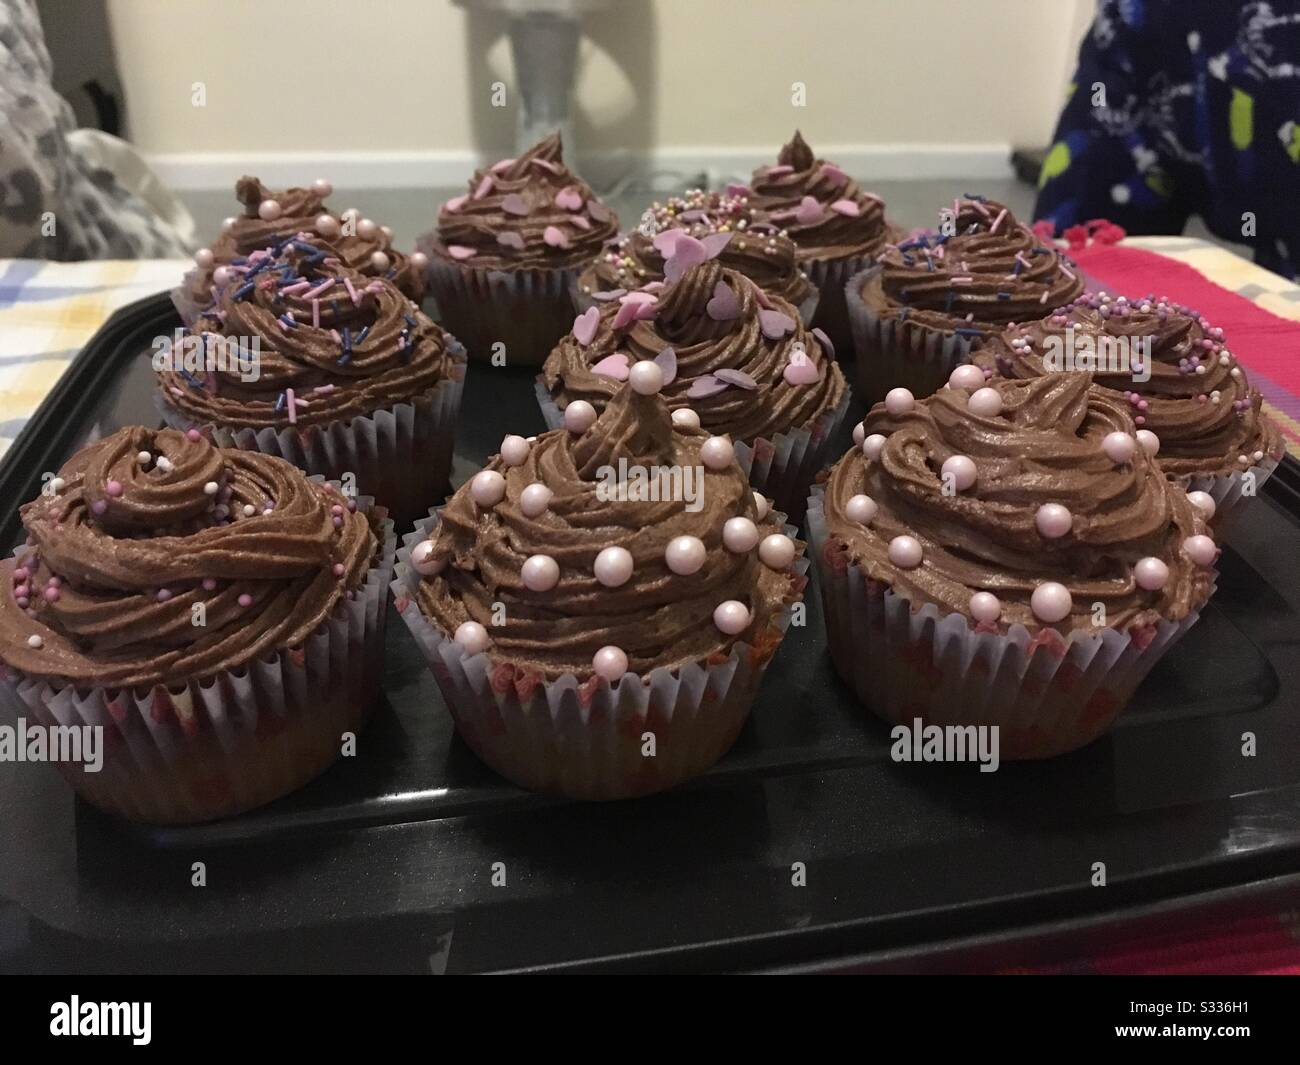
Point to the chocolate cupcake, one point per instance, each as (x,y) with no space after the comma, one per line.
(597,584)
(218,615)
(1174,370)
(715,220)
(837,226)
(736,361)
(507,253)
(1007,557)
(341,375)
(271,217)
(928,300)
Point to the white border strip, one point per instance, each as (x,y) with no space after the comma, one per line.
(426,169)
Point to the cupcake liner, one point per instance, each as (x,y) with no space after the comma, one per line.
(526,310)
(831,315)
(782,468)
(582,301)
(401,455)
(926,665)
(227,743)
(183,296)
(585,740)
(918,358)
(1226,488)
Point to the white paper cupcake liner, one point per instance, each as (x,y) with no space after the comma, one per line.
(401,455)
(906,665)
(917,358)
(526,310)
(832,316)
(585,740)
(584,300)
(227,743)
(782,468)
(1226,488)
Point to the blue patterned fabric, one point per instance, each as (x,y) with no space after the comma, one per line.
(1180,108)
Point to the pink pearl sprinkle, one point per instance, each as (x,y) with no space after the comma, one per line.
(245,600)
(1151,574)
(1053,520)
(193,436)
(1200,549)
(905,552)
(610,663)
(164,594)
(23,590)
(23,602)
(20,574)
(113,488)
(984,606)
(209,584)
(338,569)
(731,617)
(52,594)
(1051,602)
(1119,447)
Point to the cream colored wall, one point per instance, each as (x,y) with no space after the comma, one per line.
(415,75)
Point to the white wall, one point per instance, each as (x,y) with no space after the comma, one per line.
(406,83)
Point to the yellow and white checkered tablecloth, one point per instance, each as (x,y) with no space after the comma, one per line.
(47,313)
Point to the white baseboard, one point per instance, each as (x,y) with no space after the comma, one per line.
(662,168)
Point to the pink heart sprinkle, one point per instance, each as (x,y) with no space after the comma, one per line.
(510,239)
(581,222)
(800,370)
(724,306)
(824,341)
(513,203)
(736,377)
(615,366)
(665,241)
(714,243)
(584,326)
(504,164)
(612,294)
(568,199)
(777,171)
(653,286)
(459,251)
(484,187)
(808,211)
(833,175)
(764,300)
(687,252)
(555,237)
(666,360)
(455,204)
(708,385)
(846,207)
(629,311)
(774,324)
(598,211)
(736,189)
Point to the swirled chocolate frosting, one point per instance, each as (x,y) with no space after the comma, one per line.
(1044,447)
(741,359)
(146,526)
(360,244)
(657,617)
(530,212)
(297,338)
(755,249)
(825,212)
(982,270)
(1197,398)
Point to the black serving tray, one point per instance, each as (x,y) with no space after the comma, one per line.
(386,862)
